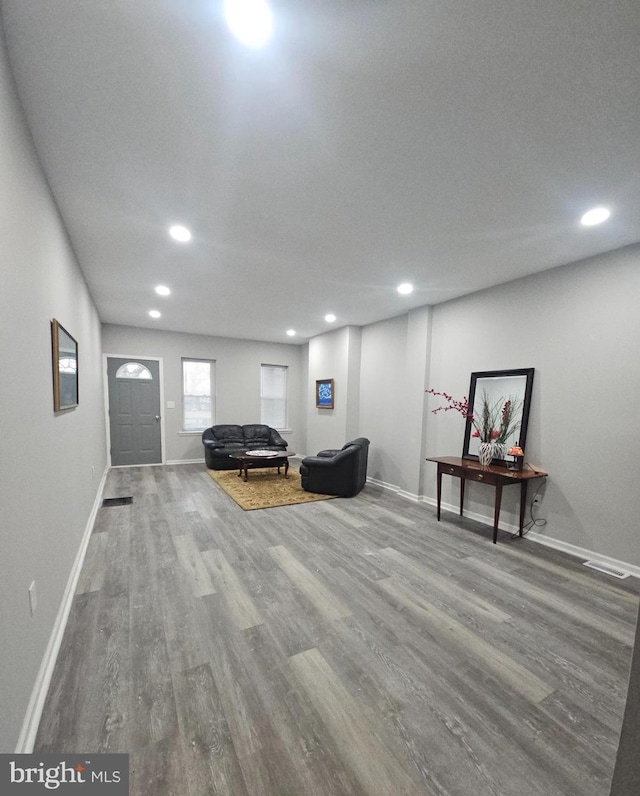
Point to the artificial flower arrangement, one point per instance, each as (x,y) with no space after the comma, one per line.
(496,421)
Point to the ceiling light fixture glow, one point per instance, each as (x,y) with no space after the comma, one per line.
(250,21)
(162,290)
(595,216)
(154,313)
(180,233)
(405,288)
(291,332)
(330,318)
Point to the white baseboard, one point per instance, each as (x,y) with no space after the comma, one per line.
(129,466)
(471,515)
(394,488)
(158,464)
(296,458)
(31,721)
(583,553)
(535,536)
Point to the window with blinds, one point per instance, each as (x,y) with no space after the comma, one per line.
(197,394)
(273,395)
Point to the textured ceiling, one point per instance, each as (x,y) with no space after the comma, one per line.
(450,144)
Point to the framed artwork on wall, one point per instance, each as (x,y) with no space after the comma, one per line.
(64,351)
(324,393)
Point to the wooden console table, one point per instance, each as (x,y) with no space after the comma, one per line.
(494,475)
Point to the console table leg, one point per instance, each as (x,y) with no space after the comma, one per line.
(461,495)
(523,503)
(496,513)
(439,490)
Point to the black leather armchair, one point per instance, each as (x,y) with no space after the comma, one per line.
(337,472)
(220,441)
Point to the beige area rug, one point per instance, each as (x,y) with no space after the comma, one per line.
(265,489)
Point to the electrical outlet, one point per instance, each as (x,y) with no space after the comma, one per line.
(536,500)
(33,598)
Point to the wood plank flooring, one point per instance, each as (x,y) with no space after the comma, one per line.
(341,648)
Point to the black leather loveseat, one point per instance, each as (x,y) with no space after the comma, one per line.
(337,472)
(220,441)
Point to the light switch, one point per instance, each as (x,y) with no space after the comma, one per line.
(171,404)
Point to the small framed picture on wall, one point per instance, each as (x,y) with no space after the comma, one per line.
(324,393)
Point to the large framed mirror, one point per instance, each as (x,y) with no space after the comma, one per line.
(499,401)
(65,368)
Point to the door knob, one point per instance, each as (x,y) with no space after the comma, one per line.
(157,418)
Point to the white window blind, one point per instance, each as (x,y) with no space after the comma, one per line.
(273,395)
(197,394)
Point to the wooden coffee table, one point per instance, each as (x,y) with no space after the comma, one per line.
(253,460)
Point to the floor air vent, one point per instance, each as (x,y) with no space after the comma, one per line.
(121,501)
(606,569)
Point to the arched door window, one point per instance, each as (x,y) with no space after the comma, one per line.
(133,370)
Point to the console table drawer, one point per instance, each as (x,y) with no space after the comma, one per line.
(469,474)
(477,475)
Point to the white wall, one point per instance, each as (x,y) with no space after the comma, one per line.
(383,396)
(50,464)
(395,358)
(334,355)
(579,327)
(380,374)
(237,380)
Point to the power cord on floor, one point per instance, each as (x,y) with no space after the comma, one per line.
(534,522)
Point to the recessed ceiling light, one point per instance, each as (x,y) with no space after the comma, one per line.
(330,318)
(405,288)
(180,233)
(162,290)
(250,21)
(154,313)
(595,216)
(291,332)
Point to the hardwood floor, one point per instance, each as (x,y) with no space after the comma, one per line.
(341,647)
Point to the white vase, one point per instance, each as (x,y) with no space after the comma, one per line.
(485,453)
